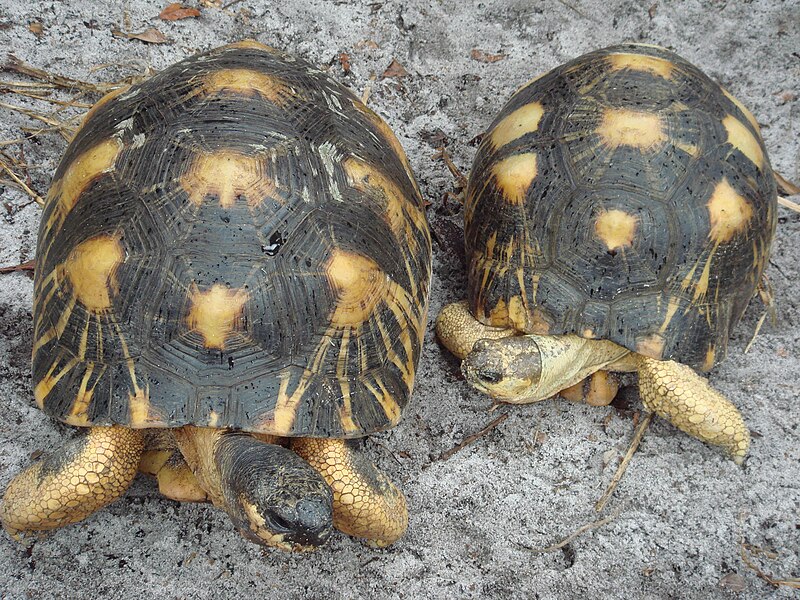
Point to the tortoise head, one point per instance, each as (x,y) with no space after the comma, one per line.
(508,369)
(272,495)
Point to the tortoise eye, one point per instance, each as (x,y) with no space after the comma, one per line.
(489,376)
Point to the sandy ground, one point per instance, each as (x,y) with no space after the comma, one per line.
(684,511)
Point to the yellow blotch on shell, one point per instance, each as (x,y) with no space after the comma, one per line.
(522,121)
(514,175)
(359,285)
(91,268)
(214,313)
(641,62)
(616,228)
(228,175)
(623,127)
(82,171)
(248,82)
(740,137)
(729,212)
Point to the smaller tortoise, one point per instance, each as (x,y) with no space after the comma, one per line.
(232,274)
(619,216)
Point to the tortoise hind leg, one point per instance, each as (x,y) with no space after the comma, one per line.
(366,503)
(86,474)
(676,393)
(164,461)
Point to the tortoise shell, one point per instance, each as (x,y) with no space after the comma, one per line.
(622,196)
(237,242)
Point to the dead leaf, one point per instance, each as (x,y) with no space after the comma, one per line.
(481,56)
(733,582)
(26,266)
(651,12)
(371,44)
(395,70)
(177,11)
(782,352)
(344,60)
(211,3)
(150,36)
(36,28)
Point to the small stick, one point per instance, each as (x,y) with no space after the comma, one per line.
(786,203)
(368,90)
(578,532)
(475,436)
(22,184)
(637,438)
(792,583)
(69,103)
(785,186)
(19,66)
(444,155)
(26,266)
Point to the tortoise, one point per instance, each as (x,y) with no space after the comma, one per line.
(618,217)
(232,275)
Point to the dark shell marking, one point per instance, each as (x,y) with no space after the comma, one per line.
(237,242)
(622,196)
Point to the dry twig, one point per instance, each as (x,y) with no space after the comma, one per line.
(744,551)
(623,466)
(475,436)
(575,534)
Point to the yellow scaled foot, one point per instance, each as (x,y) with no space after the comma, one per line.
(676,393)
(67,486)
(366,503)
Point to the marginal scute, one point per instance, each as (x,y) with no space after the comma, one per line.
(641,62)
(90,269)
(740,137)
(522,121)
(82,171)
(228,176)
(104,101)
(729,212)
(637,129)
(216,313)
(747,114)
(514,175)
(616,229)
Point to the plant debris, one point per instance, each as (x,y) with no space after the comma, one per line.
(149,36)
(344,60)
(36,28)
(481,56)
(177,11)
(26,266)
(575,534)
(395,69)
(475,436)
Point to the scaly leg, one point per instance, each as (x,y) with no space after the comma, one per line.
(676,393)
(366,503)
(458,330)
(86,474)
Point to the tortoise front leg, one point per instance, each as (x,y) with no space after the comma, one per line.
(86,474)
(458,330)
(366,503)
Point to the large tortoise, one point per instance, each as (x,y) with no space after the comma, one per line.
(232,276)
(619,216)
